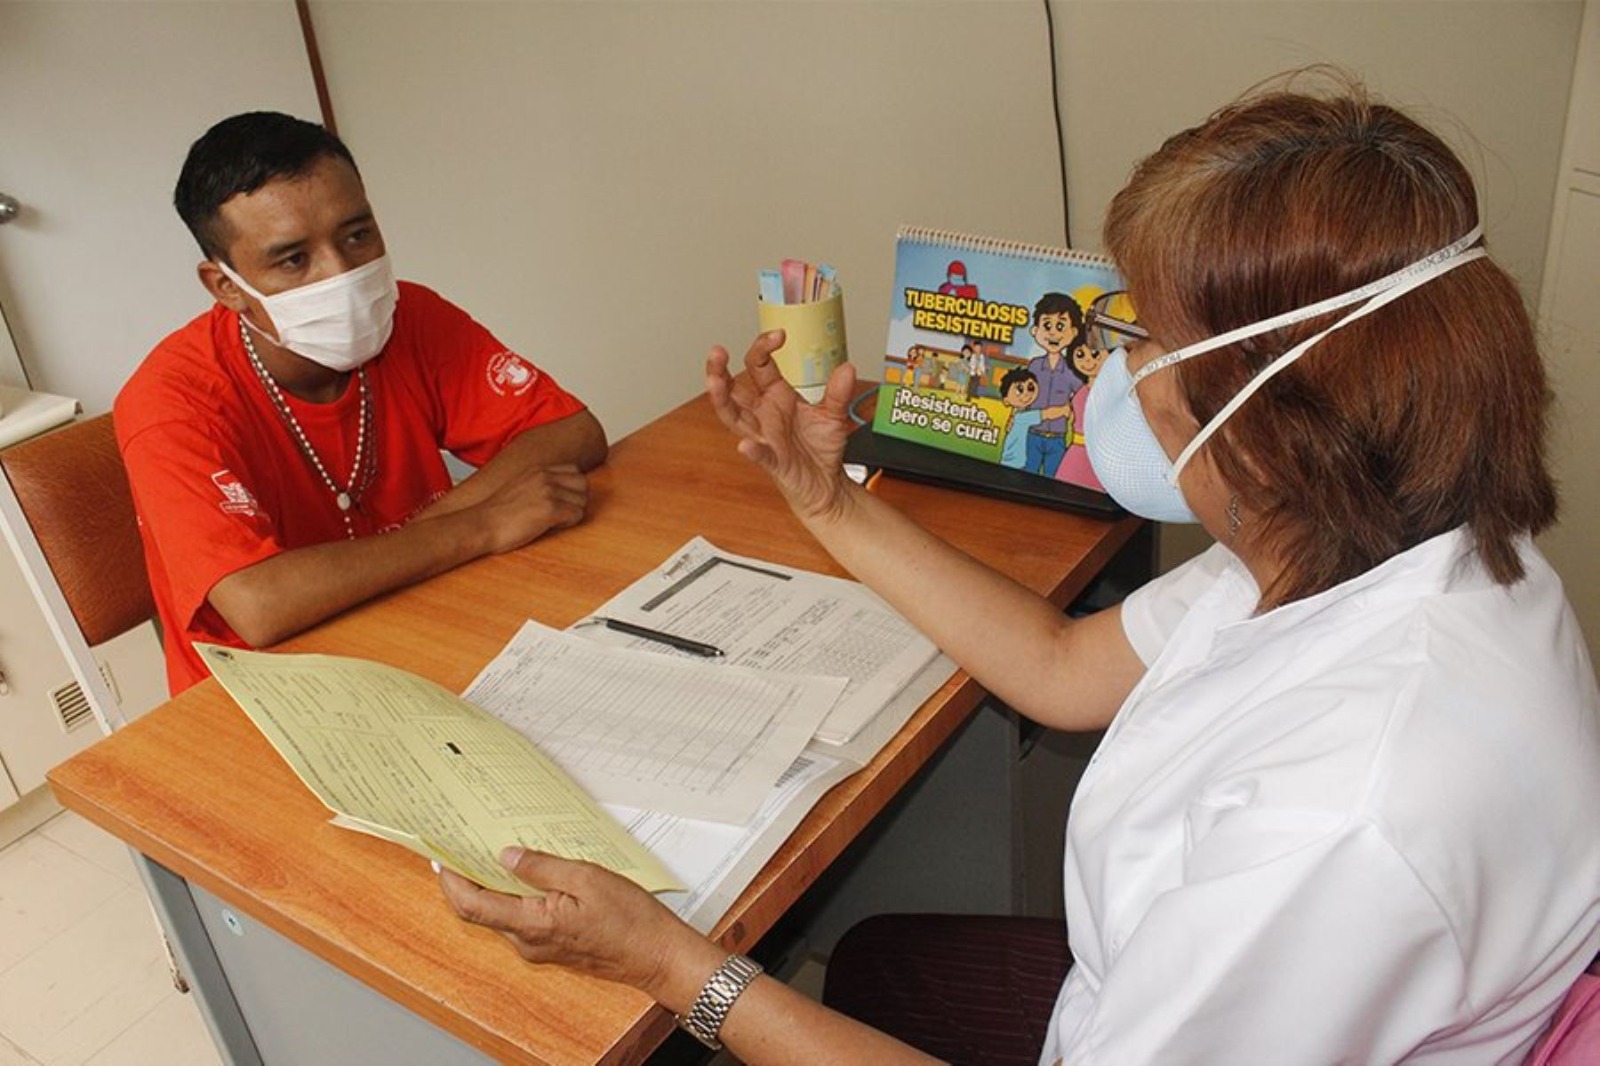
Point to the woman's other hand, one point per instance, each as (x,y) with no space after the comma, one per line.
(590,920)
(799,445)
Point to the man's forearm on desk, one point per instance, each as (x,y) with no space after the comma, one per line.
(514,499)
(294,590)
(278,597)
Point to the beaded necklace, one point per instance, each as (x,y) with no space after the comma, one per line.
(363,469)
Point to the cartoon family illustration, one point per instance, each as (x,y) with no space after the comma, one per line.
(1041,403)
(1048,398)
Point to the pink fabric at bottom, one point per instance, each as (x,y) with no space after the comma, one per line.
(1573,1038)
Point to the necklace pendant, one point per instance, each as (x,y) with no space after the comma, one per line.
(343,500)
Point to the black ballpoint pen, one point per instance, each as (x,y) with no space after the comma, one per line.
(693,647)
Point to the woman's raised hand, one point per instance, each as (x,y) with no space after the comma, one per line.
(799,444)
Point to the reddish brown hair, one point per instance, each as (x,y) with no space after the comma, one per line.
(1423,417)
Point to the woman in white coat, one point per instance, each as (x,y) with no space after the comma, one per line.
(1344,808)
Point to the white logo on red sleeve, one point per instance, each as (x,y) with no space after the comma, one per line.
(510,374)
(236,499)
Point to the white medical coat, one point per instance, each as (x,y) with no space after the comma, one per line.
(1360,828)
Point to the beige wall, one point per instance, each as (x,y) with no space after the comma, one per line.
(1491,77)
(599,183)
(1570,317)
(99,103)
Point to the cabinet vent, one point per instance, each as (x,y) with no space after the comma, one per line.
(72,706)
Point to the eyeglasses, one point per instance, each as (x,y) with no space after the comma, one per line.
(1106,330)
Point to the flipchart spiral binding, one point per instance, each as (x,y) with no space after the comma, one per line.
(967,242)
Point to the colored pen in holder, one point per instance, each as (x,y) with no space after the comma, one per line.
(814,337)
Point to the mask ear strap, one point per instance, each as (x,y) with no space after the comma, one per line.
(244,287)
(1435,268)
(1403,279)
(257,330)
(240,283)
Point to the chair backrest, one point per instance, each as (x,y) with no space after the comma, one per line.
(68,512)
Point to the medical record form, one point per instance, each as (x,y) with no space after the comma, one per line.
(403,759)
(778,619)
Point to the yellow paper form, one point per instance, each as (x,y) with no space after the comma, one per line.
(397,756)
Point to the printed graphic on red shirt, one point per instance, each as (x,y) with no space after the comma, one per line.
(236,499)
(510,374)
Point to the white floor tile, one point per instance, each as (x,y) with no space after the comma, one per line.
(83,838)
(170,1035)
(44,890)
(76,994)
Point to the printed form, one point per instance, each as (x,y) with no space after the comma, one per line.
(778,619)
(398,757)
(654,731)
(718,861)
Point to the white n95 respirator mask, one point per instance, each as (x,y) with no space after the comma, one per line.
(1124,451)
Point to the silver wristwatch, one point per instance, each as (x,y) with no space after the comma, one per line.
(710,1008)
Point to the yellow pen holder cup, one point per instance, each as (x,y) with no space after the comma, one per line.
(813,344)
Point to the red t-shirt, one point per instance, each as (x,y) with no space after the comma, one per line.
(219,483)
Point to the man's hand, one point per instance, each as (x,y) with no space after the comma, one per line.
(522,509)
(576,442)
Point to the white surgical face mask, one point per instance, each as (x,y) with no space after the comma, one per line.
(340,322)
(1125,454)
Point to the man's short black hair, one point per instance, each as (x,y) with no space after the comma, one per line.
(240,155)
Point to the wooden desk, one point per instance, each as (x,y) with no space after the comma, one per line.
(195,788)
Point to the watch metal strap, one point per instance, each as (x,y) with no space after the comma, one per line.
(705,1016)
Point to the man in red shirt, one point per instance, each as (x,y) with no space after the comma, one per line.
(270,439)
